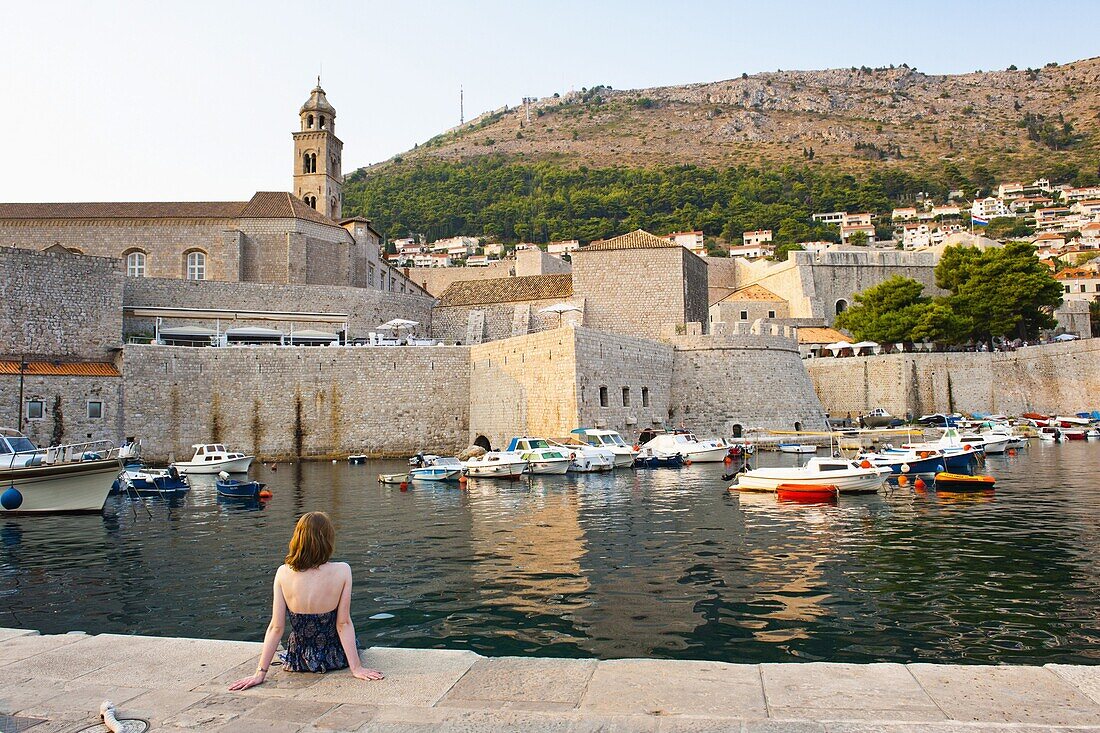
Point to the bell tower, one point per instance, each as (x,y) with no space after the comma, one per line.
(317,153)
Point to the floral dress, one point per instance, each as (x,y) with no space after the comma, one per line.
(314,645)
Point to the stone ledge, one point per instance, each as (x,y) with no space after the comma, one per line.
(180,684)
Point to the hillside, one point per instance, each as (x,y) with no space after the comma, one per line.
(850,117)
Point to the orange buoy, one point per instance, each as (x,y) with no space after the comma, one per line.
(967,447)
(687,463)
(1011,451)
(727,460)
(919,483)
(903,480)
(266,494)
(404,485)
(462,479)
(865,464)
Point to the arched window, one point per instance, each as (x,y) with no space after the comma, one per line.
(196,265)
(313,162)
(841,306)
(309,122)
(135,264)
(322,122)
(311,201)
(305,162)
(737,430)
(332,208)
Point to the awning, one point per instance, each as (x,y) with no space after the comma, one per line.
(308,335)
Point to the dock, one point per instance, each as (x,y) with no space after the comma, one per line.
(55,684)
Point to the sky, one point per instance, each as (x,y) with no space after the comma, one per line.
(195,100)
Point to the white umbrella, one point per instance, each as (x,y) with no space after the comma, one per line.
(397,324)
(1066,337)
(837,347)
(560,309)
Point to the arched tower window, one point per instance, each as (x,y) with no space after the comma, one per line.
(196,265)
(322,122)
(135,264)
(332,208)
(309,122)
(311,200)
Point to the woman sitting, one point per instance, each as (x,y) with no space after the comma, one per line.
(317,594)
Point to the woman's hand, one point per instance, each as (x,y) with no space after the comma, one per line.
(367,674)
(245,682)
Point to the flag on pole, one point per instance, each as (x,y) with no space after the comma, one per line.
(978,221)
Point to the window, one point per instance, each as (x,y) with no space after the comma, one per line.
(1067,288)
(309,122)
(626,396)
(771,314)
(36,409)
(196,266)
(737,430)
(311,200)
(322,122)
(370,276)
(841,306)
(645,396)
(744,315)
(135,264)
(603,396)
(95,410)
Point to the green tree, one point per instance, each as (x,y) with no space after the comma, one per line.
(1094,312)
(783,251)
(858,239)
(887,313)
(941,325)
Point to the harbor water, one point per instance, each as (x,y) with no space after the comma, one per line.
(659,563)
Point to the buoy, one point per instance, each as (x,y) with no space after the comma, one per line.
(404,485)
(727,460)
(966,447)
(919,483)
(11,499)
(865,464)
(687,463)
(266,494)
(1011,451)
(462,479)
(903,480)
(334,460)
(905,467)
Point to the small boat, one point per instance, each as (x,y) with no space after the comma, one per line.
(797,448)
(138,479)
(687,445)
(848,477)
(807,492)
(59,479)
(541,457)
(357,459)
(496,464)
(232,488)
(1093,434)
(214,458)
(958,455)
(648,458)
(963,482)
(393,478)
(1072,434)
(876,418)
(438,468)
(906,461)
(609,440)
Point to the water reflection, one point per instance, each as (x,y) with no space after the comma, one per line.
(661,563)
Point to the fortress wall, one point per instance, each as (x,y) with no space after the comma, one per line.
(616,361)
(436,279)
(1058,378)
(59,305)
(65,408)
(366,308)
(747,380)
(523,386)
(451,323)
(278,402)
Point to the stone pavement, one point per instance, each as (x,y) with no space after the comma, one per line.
(54,684)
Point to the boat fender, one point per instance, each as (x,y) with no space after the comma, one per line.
(404,485)
(637,447)
(266,494)
(865,464)
(727,460)
(905,467)
(903,480)
(967,447)
(11,499)
(939,467)
(1011,451)
(687,462)
(919,483)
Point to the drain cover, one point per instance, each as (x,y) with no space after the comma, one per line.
(132,725)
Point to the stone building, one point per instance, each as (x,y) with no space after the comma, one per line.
(749,304)
(474,311)
(273,237)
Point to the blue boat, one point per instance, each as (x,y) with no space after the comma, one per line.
(138,479)
(231,488)
(907,461)
(659,461)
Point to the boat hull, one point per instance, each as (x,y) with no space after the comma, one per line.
(435,474)
(549,468)
(495,470)
(393,478)
(797,448)
(866,483)
(708,455)
(919,465)
(232,465)
(239,489)
(61,489)
(675,461)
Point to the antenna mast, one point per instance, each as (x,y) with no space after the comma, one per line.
(461,107)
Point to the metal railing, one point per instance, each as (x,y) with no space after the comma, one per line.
(94,450)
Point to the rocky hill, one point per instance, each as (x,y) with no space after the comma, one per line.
(1014,122)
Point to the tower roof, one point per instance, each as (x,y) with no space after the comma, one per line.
(317,101)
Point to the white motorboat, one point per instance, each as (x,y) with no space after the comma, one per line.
(496,464)
(848,477)
(213,458)
(876,418)
(541,457)
(437,468)
(608,440)
(60,479)
(991,443)
(797,448)
(1015,438)
(687,445)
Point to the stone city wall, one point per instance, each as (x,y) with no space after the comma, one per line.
(436,279)
(731,383)
(1053,378)
(165,242)
(366,308)
(59,305)
(499,320)
(281,402)
(65,401)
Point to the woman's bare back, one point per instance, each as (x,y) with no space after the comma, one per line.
(317,590)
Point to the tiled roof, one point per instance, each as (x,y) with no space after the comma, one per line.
(50,369)
(816,335)
(263,205)
(507,290)
(1072,273)
(638,239)
(754,292)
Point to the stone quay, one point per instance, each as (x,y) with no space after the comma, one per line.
(56,683)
